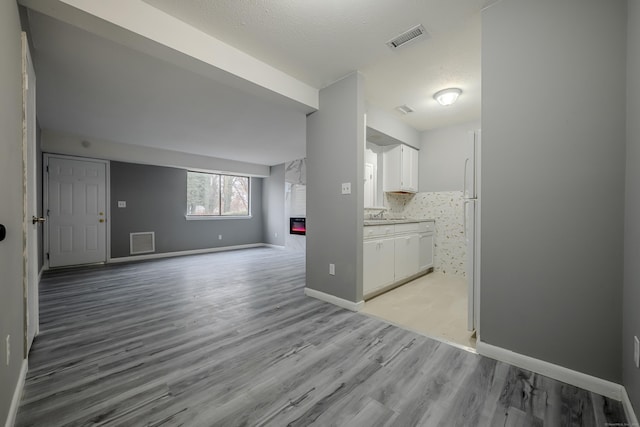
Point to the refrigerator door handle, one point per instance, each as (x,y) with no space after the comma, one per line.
(464,216)
(464,185)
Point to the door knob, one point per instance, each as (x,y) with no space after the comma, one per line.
(101,220)
(35,220)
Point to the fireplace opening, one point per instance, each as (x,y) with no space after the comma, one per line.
(297,226)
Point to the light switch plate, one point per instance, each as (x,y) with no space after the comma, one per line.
(346,188)
(122,204)
(332,269)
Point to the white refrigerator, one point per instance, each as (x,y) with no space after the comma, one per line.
(471,203)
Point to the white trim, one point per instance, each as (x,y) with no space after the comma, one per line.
(271,245)
(588,382)
(349,305)
(39,280)
(632,420)
(215,217)
(183,253)
(17,395)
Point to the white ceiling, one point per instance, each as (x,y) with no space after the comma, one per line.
(319,42)
(91,86)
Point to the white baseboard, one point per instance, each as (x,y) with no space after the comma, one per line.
(349,305)
(183,253)
(632,420)
(560,373)
(17,395)
(270,245)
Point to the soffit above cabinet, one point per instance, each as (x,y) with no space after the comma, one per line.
(381,139)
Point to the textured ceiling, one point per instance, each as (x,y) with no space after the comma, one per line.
(319,42)
(93,87)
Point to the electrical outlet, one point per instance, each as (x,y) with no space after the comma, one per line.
(219,236)
(332,269)
(122,203)
(636,351)
(346,188)
(8,349)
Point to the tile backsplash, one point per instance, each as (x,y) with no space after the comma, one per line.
(446,208)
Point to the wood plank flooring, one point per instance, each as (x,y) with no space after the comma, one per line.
(230,339)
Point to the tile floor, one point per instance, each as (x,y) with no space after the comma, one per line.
(434,304)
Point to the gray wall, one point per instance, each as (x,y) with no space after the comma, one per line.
(442,154)
(553,123)
(631,290)
(156,199)
(11,295)
(335,154)
(273,206)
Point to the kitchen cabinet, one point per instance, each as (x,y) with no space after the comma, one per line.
(406,256)
(378,259)
(400,169)
(395,253)
(425,253)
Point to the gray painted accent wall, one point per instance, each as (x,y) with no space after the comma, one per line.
(11,293)
(273,206)
(631,289)
(442,154)
(553,135)
(335,154)
(156,199)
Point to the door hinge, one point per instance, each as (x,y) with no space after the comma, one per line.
(48,211)
(47,255)
(47,168)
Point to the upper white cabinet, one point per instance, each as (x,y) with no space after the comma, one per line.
(400,169)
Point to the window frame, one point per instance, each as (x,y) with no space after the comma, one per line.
(193,217)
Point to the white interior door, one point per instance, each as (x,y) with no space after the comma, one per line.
(76,211)
(30,196)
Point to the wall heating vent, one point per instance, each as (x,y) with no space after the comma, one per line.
(142,243)
(410,35)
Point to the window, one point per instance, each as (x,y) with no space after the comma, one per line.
(210,194)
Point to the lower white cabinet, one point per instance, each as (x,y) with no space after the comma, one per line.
(426,251)
(393,253)
(406,256)
(378,264)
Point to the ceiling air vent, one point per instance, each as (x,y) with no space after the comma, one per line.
(405,109)
(408,36)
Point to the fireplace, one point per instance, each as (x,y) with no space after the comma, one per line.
(297,226)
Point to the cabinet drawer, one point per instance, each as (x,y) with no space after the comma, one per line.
(407,228)
(371,231)
(427,226)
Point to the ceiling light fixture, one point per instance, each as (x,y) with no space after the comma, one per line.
(447,96)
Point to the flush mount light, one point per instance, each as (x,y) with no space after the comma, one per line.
(447,96)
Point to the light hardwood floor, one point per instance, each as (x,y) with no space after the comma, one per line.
(229,339)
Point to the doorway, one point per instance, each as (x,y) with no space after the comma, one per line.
(30,202)
(76,205)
